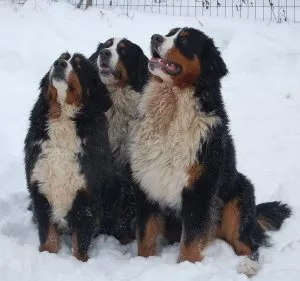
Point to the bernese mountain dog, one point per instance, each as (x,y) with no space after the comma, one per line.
(183,156)
(68,161)
(123,68)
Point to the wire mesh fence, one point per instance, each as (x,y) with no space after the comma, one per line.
(19,2)
(267,10)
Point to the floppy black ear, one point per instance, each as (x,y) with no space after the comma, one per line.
(213,67)
(142,73)
(99,95)
(44,83)
(94,56)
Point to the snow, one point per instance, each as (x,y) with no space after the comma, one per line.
(262,98)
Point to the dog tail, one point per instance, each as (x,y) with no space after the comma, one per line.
(271,215)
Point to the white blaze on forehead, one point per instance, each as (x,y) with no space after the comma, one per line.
(114,55)
(61,86)
(167,44)
(112,61)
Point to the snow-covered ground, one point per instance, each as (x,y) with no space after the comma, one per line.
(262,95)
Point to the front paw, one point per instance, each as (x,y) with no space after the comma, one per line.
(81,257)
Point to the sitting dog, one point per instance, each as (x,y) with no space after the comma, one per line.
(68,160)
(123,68)
(183,156)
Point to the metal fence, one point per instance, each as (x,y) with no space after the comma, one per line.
(266,10)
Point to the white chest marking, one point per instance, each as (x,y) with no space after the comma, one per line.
(166,141)
(57,170)
(120,116)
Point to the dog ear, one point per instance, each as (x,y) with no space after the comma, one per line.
(99,95)
(94,56)
(44,83)
(142,73)
(213,67)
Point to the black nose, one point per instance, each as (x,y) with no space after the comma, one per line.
(157,38)
(105,54)
(60,63)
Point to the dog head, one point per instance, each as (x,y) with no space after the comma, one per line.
(74,81)
(185,56)
(121,63)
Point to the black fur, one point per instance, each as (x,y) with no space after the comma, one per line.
(273,214)
(136,65)
(220,182)
(96,204)
(134,60)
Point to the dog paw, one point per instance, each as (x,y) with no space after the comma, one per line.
(248,267)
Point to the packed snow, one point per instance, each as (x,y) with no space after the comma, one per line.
(262,96)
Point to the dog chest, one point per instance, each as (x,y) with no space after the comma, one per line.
(120,116)
(166,142)
(57,170)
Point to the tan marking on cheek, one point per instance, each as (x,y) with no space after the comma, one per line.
(74,91)
(194,172)
(229,229)
(190,69)
(147,246)
(75,247)
(51,244)
(184,34)
(122,82)
(54,106)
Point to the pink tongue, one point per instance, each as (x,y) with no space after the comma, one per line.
(160,61)
(164,64)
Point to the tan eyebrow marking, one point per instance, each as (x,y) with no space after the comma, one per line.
(122,45)
(184,34)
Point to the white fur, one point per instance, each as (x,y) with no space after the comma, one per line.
(114,55)
(57,170)
(167,44)
(110,79)
(120,116)
(165,141)
(248,267)
(162,51)
(61,85)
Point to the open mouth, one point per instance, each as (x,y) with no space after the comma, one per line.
(105,69)
(169,67)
